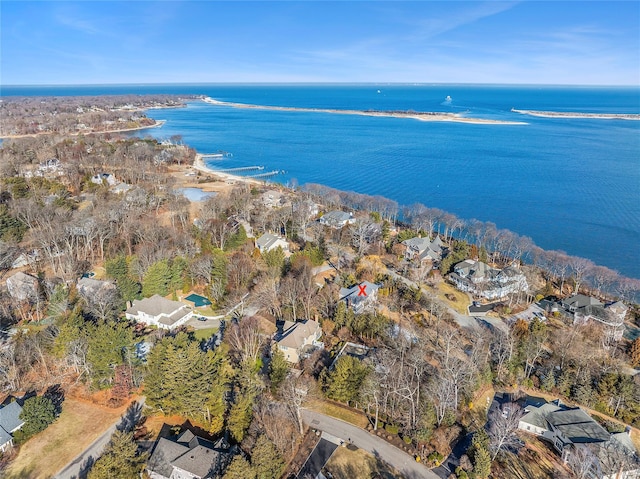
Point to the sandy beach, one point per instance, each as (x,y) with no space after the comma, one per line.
(568,114)
(422,116)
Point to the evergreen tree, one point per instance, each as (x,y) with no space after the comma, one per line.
(107,344)
(239,469)
(344,382)
(120,459)
(178,271)
(265,460)
(157,279)
(278,369)
(482,463)
(240,417)
(37,413)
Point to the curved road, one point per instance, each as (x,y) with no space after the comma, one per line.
(400,460)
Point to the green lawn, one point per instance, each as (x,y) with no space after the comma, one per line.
(203,334)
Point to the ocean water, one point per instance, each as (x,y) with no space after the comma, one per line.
(569,184)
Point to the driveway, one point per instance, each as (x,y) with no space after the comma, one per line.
(398,459)
(80,466)
(319,456)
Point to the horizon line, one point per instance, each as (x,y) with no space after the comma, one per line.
(231,83)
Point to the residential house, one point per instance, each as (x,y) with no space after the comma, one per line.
(337,219)
(297,339)
(23,287)
(272,199)
(104,178)
(583,308)
(423,249)
(568,428)
(89,287)
(159,311)
(268,242)
(189,457)
(306,207)
(361,297)
(482,280)
(10,422)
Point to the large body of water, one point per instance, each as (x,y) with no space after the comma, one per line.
(569,184)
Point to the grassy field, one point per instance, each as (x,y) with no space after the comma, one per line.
(340,412)
(203,334)
(359,464)
(78,426)
(462,300)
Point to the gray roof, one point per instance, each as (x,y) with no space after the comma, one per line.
(92,286)
(10,417)
(578,426)
(537,416)
(5,437)
(22,286)
(353,293)
(580,301)
(192,454)
(267,240)
(155,306)
(295,334)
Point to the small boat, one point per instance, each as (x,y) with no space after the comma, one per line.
(448,99)
(379,91)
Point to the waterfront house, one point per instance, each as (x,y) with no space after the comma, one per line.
(298,339)
(482,280)
(337,219)
(10,422)
(189,457)
(160,312)
(361,297)
(268,242)
(423,249)
(581,309)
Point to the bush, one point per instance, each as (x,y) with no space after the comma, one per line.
(37,413)
(435,458)
(407,440)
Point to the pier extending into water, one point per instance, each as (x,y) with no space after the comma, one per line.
(219,155)
(242,168)
(267,174)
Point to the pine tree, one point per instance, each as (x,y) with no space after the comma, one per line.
(345,380)
(265,460)
(157,279)
(239,469)
(120,459)
(37,413)
(482,463)
(278,369)
(107,343)
(240,417)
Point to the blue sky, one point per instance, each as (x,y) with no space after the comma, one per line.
(589,43)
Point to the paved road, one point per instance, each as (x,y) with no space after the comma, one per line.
(79,467)
(400,460)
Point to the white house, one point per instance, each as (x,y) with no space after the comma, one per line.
(482,280)
(268,242)
(102,178)
(159,311)
(297,338)
(10,422)
(361,297)
(337,219)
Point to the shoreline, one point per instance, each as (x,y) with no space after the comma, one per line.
(157,124)
(421,116)
(199,164)
(562,114)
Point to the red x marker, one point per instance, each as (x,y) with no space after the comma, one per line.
(362,290)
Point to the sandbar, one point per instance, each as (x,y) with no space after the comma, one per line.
(575,114)
(416,115)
